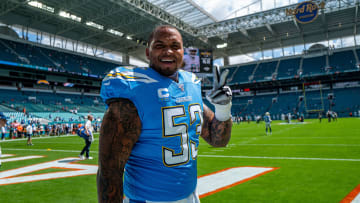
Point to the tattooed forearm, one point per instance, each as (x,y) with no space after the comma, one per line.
(119,132)
(216,133)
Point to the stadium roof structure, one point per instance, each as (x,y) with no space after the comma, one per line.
(186,10)
(124,25)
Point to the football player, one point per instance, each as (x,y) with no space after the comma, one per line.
(192,61)
(267,120)
(152,126)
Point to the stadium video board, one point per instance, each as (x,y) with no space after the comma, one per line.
(198,60)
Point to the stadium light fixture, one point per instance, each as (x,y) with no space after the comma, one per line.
(115,32)
(129,37)
(221,46)
(69,16)
(41,6)
(94,25)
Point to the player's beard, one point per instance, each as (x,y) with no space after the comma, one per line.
(165,71)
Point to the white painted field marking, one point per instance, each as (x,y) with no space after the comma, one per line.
(353,196)
(46,150)
(208,154)
(12,176)
(207,184)
(221,180)
(37,138)
(20,158)
(290,158)
(293,123)
(7,155)
(357,199)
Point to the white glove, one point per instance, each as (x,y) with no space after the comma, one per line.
(220,96)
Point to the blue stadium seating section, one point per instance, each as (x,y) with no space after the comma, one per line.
(345,100)
(49,105)
(339,61)
(14,51)
(265,71)
(288,68)
(29,54)
(231,71)
(314,66)
(243,73)
(7,54)
(342,61)
(49,102)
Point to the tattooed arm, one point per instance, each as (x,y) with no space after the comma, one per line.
(216,133)
(119,132)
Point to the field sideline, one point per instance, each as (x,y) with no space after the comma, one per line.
(311,162)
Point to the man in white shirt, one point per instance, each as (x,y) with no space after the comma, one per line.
(29,132)
(3,132)
(89,138)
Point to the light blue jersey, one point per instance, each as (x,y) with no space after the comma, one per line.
(267,119)
(162,165)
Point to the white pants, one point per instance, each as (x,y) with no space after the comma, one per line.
(192,198)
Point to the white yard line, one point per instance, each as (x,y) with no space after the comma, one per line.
(44,150)
(38,138)
(201,155)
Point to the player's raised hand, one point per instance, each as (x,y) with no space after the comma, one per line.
(221,93)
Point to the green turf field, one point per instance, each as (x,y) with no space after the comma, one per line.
(315,162)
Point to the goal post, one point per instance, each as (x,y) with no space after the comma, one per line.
(313,99)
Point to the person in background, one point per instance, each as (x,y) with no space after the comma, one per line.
(289,117)
(87,131)
(29,133)
(328,114)
(20,131)
(268,120)
(334,116)
(3,120)
(35,129)
(3,132)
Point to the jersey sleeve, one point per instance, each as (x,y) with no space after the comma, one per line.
(115,86)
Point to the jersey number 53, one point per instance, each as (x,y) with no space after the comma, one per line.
(173,129)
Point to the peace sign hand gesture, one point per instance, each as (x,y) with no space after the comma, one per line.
(221,93)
